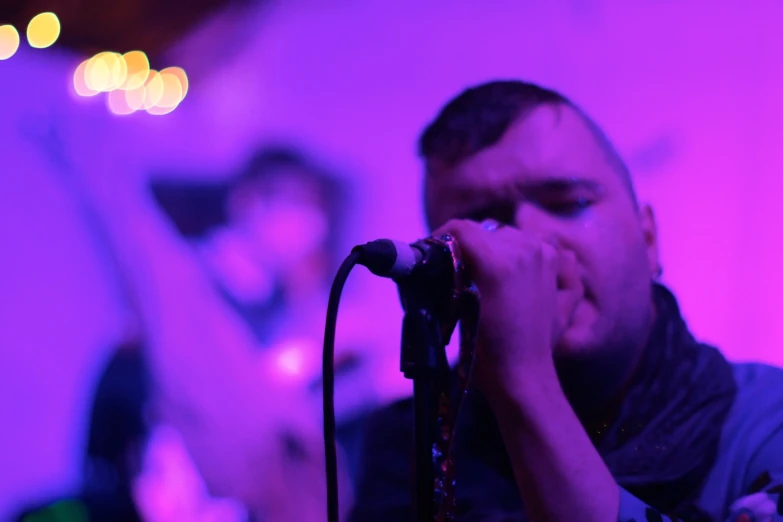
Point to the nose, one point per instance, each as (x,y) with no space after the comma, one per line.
(535,220)
(531,218)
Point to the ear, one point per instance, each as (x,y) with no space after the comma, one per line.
(650,235)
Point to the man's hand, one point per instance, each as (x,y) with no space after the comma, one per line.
(529,290)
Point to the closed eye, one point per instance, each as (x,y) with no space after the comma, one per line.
(560,206)
(566,207)
(561,197)
(503,212)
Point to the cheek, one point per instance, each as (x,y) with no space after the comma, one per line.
(616,275)
(607,262)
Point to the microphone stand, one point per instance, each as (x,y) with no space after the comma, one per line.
(424,296)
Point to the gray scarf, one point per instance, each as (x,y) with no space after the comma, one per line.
(660,437)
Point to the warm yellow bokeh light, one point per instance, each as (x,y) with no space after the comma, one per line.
(130,83)
(172,90)
(153,90)
(135,98)
(80,80)
(43,30)
(119,72)
(160,111)
(181,75)
(171,97)
(105,72)
(118,104)
(97,75)
(138,70)
(9,41)
(175,84)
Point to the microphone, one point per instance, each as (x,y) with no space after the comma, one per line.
(397,260)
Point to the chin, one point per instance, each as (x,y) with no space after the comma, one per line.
(575,341)
(580,336)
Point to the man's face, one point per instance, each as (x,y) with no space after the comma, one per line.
(550,176)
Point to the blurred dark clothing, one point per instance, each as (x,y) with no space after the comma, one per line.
(118,427)
(117,433)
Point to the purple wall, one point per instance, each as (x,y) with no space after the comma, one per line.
(689,91)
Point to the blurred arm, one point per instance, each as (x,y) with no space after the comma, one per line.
(251,435)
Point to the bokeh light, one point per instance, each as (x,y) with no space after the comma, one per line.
(138,70)
(97,74)
(118,103)
(291,360)
(119,72)
(80,80)
(105,72)
(130,83)
(9,41)
(183,78)
(135,98)
(153,89)
(43,30)
(172,93)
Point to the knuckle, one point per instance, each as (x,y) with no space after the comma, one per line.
(536,254)
(453,227)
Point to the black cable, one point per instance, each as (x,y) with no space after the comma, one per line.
(332,494)
(379,257)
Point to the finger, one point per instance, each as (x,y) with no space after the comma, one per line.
(486,253)
(570,288)
(567,270)
(459,226)
(451,227)
(470,237)
(484,248)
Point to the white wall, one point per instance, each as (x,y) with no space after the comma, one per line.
(689,91)
(59,305)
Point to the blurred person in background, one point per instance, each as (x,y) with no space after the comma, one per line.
(207,408)
(263,247)
(219,359)
(268,238)
(271,240)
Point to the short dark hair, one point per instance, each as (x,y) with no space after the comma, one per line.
(480,116)
(336,196)
(279,162)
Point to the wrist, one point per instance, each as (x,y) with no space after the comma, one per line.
(525,395)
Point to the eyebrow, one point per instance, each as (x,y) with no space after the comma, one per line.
(484,203)
(552,185)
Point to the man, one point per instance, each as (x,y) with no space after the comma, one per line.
(592,401)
